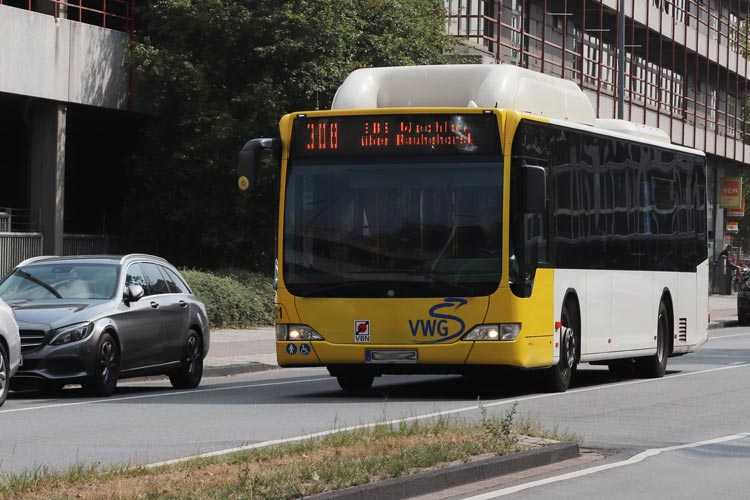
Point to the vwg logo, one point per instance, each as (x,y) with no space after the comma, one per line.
(441,327)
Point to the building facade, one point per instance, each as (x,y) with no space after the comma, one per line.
(686,66)
(66,96)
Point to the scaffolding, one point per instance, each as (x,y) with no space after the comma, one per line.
(686,70)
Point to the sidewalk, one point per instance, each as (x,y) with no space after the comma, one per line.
(240,351)
(243,351)
(723,310)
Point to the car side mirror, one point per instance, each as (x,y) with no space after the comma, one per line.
(134,293)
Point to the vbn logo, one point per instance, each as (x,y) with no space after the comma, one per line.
(443,326)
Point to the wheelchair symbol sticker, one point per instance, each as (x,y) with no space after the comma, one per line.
(291,349)
(304,349)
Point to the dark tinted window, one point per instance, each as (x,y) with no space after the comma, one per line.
(156,282)
(176,285)
(135,277)
(409,228)
(612,204)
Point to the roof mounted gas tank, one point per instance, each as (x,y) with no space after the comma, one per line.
(465,85)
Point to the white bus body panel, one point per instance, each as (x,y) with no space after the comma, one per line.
(619,309)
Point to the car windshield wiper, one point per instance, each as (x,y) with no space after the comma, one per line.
(37,281)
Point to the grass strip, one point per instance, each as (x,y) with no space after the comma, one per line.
(291,470)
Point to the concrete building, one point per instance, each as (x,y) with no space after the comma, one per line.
(65,125)
(686,66)
(66,95)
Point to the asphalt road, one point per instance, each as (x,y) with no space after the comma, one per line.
(704,396)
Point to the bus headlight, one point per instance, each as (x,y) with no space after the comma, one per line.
(502,331)
(296,332)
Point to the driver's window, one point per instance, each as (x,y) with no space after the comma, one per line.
(135,277)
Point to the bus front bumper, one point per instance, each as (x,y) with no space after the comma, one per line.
(525,352)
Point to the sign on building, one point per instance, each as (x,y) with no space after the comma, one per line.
(731,193)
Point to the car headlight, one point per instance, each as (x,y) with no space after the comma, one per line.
(72,333)
(296,332)
(501,331)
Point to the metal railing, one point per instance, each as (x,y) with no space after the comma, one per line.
(113,14)
(19,220)
(85,244)
(15,247)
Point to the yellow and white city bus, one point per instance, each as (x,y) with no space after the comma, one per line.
(445,219)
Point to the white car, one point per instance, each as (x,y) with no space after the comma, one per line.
(10,348)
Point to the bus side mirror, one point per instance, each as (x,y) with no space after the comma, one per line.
(247,167)
(535,189)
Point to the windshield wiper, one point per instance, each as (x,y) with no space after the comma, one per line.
(37,281)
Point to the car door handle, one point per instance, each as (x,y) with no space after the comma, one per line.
(155,305)
(183,304)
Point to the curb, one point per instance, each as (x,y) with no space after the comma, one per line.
(727,323)
(456,475)
(237,369)
(213,371)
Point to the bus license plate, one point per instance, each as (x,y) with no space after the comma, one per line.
(390,356)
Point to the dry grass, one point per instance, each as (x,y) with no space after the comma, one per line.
(287,471)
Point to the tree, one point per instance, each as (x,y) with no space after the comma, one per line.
(218,72)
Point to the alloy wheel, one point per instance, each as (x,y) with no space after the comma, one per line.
(107,360)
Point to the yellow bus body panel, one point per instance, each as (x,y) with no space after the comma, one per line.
(395,324)
(413,323)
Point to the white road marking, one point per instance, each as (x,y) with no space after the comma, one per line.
(246,386)
(432,415)
(640,457)
(161,394)
(729,336)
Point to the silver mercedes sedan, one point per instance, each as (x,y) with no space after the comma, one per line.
(92,320)
(10,349)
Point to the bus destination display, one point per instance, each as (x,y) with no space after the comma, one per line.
(395,135)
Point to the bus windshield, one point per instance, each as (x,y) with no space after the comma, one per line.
(392,227)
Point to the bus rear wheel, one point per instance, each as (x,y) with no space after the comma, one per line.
(656,366)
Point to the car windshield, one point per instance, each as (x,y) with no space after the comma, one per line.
(399,228)
(60,281)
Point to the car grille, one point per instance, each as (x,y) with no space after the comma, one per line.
(31,340)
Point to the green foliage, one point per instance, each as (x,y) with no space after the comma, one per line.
(219,72)
(233,298)
(503,429)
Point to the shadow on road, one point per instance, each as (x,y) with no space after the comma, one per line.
(496,384)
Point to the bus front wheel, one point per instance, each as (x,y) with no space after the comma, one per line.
(561,374)
(355,383)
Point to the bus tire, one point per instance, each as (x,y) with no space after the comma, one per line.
(355,383)
(656,366)
(560,375)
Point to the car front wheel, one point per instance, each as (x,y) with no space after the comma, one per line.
(104,380)
(189,375)
(4,374)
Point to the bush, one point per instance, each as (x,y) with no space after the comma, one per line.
(234,298)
